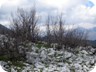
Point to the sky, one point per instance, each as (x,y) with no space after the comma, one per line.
(78,12)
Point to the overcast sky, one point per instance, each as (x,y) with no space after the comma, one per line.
(79,12)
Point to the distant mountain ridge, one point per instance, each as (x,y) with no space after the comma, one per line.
(91,32)
(92,43)
(93,29)
(4,30)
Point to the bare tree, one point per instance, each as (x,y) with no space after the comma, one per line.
(71,37)
(75,37)
(48,30)
(24,28)
(61,31)
(25,25)
(58,31)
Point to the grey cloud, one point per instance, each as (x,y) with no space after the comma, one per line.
(44,10)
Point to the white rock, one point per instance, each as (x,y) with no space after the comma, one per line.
(51,52)
(67,54)
(13,70)
(94,70)
(84,52)
(78,67)
(1,69)
(65,69)
(39,65)
(43,55)
(92,62)
(31,57)
(61,63)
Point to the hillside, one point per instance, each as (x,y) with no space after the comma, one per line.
(92,43)
(3,29)
(52,60)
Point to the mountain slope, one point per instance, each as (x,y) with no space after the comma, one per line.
(92,43)
(4,30)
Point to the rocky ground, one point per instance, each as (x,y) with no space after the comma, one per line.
(51,60)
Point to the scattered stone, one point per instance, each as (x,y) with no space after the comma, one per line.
(50,60)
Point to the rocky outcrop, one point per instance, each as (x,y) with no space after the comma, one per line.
(52,60)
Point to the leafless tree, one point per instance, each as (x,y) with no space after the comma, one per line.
(75,37)
(25,25)
(61,31)
(58,31)
(48,30)
(70,37)
(23,28)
